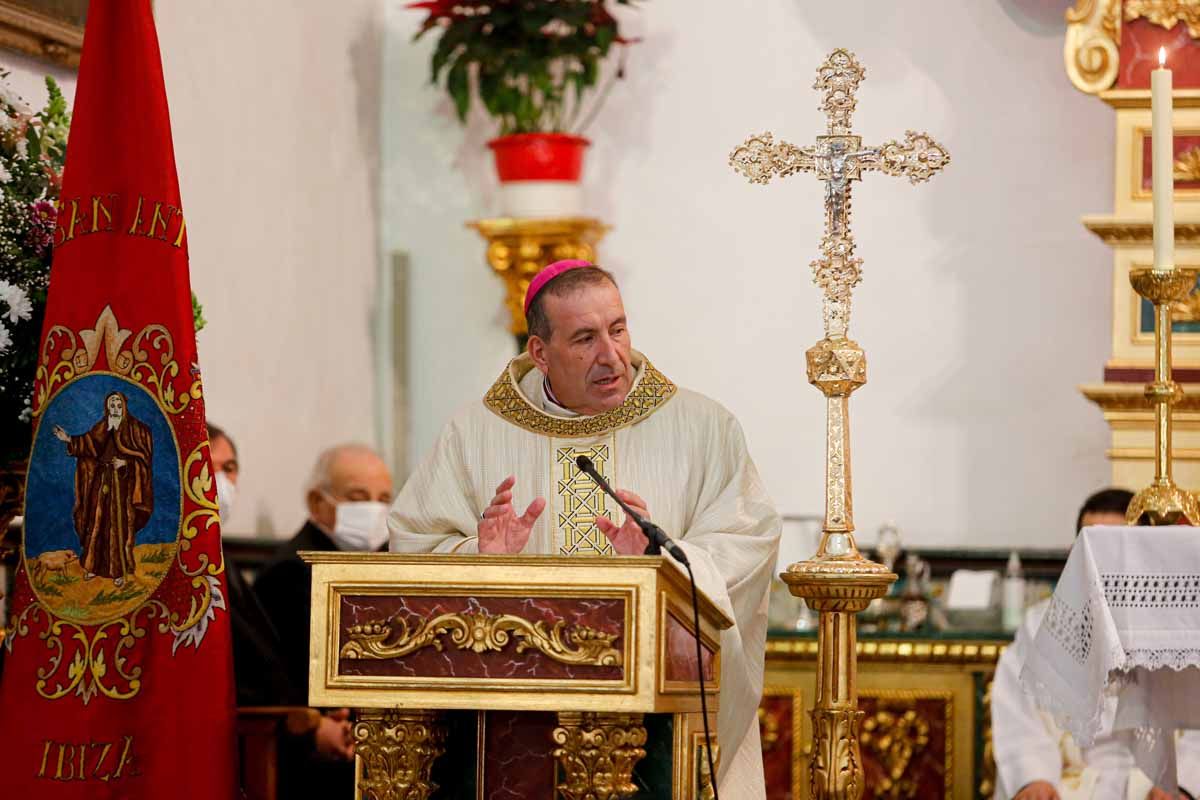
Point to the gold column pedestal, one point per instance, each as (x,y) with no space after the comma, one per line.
(1162,502)
(837,583)
(519,248)
(597,754)
(397,750)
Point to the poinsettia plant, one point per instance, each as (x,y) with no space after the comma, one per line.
(535,64)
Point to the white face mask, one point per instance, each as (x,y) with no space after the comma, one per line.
(360,526)
(226,497)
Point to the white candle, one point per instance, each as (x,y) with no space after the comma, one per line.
(1163,163)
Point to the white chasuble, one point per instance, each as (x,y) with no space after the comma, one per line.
(681,452)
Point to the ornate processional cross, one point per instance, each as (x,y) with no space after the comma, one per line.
(837,581)
(839,158)
(836,365)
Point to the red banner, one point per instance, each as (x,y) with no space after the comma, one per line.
(118,678)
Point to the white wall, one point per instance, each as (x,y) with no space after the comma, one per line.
(275,116)
(274,110)
(984,301)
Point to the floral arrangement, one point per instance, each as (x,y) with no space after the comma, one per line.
(33,146)
(533,62)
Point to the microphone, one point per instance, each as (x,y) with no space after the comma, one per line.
(653,532)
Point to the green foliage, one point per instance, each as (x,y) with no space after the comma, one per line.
(33,147)
(533,63)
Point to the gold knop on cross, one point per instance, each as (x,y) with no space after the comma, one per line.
(839,158)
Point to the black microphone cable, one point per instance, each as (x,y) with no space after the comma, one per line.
(655,536)
(712,772)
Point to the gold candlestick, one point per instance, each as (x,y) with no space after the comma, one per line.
(1162,502)
(837,581)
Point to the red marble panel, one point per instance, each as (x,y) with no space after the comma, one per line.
(517,760)
(604,614)
(1140,41)
(775,721)
(1146,375)
(1183,143)
(903,744)
(680,656)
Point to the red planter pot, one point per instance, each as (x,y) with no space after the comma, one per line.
(539,157)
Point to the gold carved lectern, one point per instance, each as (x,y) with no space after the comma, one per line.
(527,676)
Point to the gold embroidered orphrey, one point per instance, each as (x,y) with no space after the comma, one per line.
(86,659)
(582,501)
(837,581)
(648,395)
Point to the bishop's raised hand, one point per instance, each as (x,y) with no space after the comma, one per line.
(500,529)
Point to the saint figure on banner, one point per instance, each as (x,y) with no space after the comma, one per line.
(114,494)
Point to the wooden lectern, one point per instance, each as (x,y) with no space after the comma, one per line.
(516,676)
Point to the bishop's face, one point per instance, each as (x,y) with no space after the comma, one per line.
(587,357)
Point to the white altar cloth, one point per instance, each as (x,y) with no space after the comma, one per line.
(1125,621)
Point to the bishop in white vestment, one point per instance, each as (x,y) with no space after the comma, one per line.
(680,457)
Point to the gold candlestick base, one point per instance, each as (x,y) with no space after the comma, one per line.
(1163,503)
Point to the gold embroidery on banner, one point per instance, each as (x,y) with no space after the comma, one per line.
(582,502)
(646,397)
(88,654)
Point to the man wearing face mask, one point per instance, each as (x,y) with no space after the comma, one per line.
(347,497)
(226,470)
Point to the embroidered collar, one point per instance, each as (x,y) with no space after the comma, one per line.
(650,391)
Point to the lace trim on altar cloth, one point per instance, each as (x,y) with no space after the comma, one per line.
(1074,631)
(1151,591)
(1071,628)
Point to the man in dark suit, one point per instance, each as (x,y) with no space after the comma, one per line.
(347,497)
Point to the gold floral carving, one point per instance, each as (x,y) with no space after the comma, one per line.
(596,754)
(987,767)
(519,248)
(397,750)
(895,736)
(1166,13)
(768,731)
(505,399)
(1091,50)
(707,789)
(1187,165)
(836,768)
(482,633)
